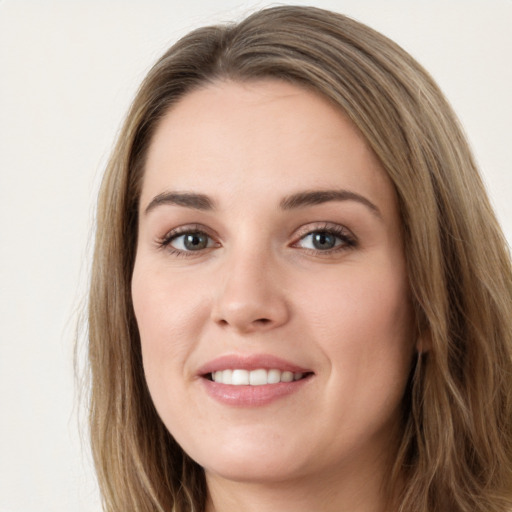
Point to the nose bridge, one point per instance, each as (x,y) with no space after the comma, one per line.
(250,297)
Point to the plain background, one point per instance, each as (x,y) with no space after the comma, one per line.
(68,71)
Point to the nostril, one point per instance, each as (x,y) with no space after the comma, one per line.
(258,321)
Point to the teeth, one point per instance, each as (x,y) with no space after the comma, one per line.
(273,376)
(258,377)
(287,377)
(239,378)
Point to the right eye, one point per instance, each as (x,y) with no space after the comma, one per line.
(190,241)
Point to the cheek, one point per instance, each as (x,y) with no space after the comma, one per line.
(167,315)
(365,332)
(363,322)
(361,298)
(168,328)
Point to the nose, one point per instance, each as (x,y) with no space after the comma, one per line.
(250,297)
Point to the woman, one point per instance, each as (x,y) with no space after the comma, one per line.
(300,295)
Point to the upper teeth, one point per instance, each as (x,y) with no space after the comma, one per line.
(254,377)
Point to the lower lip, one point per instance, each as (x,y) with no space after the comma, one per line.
(251,396)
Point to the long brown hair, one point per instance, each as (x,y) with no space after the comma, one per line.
(455,451)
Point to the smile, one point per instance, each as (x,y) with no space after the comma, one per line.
(258,377)
(252,380)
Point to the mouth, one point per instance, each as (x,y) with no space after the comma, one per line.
(252,380)
(257,377)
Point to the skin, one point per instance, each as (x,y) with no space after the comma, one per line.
(261,286)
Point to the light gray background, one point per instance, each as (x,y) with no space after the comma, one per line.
(68,70)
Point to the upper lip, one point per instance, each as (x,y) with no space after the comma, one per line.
(250,362)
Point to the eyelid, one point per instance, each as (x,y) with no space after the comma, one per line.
(348,238)
(312,227)
(165,241)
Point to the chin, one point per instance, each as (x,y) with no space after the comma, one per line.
(251,462)
(252,471)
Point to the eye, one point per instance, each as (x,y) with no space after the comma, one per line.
(191,241)
(328,239)
(186,241)
(320,240)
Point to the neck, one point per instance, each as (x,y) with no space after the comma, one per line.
(361,491)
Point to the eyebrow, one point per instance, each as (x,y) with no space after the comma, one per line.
(314,197)
(186,199)
(299,200)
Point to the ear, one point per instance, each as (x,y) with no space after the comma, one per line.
(424,342)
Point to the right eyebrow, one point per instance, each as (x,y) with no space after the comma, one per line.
(186,199)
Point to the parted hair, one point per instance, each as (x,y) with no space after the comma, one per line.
(455,449)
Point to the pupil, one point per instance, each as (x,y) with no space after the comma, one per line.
(323,240)
(195,241)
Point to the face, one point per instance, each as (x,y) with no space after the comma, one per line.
(269,285)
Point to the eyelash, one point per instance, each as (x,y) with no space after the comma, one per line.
(165,242)
(346,238)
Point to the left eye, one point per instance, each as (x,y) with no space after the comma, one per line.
(193,241)
(321,240)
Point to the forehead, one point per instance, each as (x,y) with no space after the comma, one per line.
(268,136)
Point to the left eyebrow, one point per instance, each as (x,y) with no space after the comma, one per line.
(314,197)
